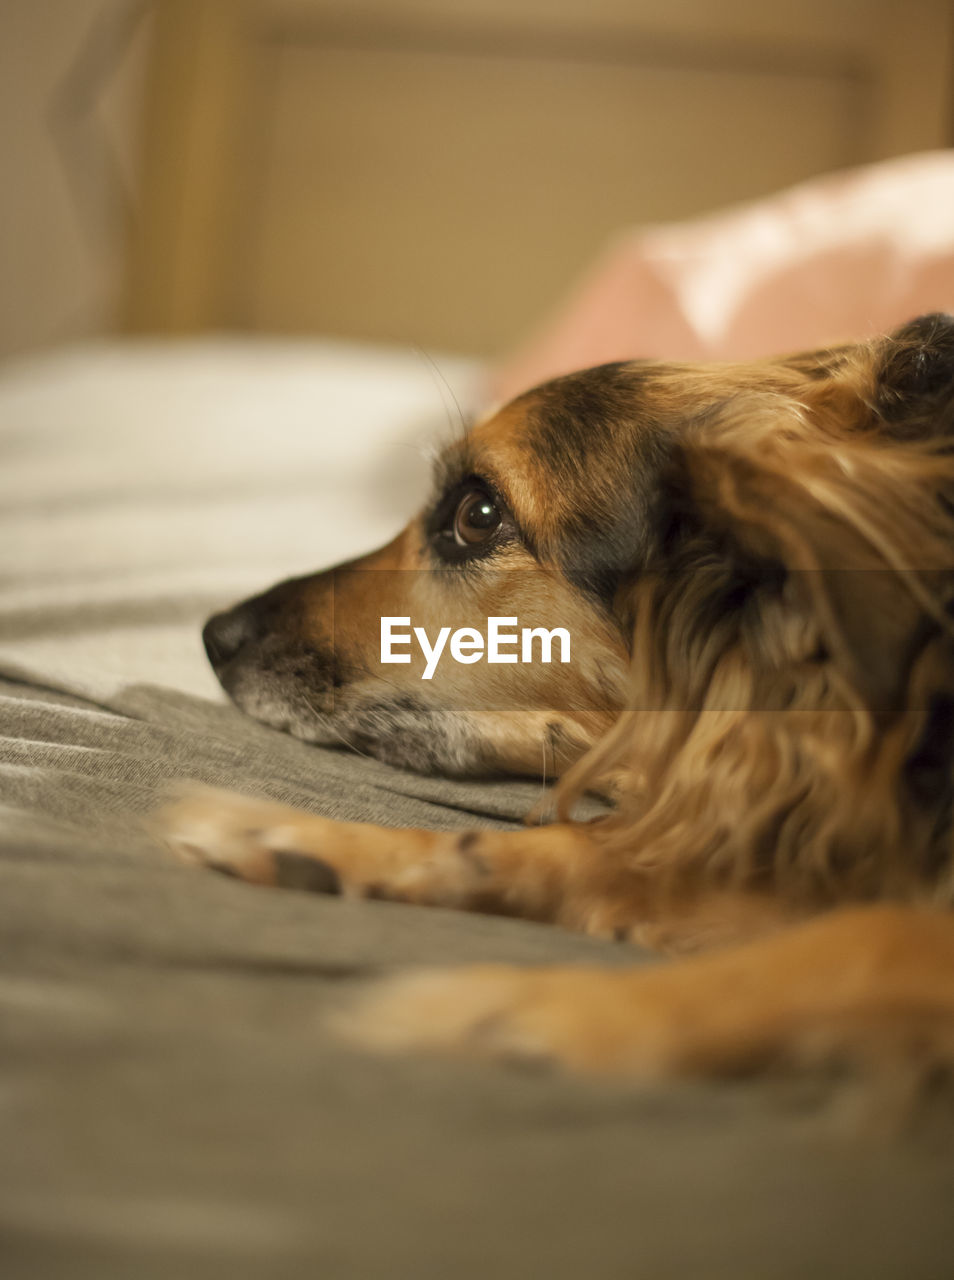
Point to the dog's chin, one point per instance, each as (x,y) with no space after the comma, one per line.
(397,728)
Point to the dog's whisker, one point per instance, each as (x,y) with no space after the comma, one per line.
(442,381)
(541,804)
(429,452)
(329,723)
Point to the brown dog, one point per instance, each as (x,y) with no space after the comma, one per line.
(754,565)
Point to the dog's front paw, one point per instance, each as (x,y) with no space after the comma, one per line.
(583,1019)
(253,840)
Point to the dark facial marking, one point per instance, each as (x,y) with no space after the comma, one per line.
(601,443)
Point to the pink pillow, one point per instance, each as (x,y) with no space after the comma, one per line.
(840,257)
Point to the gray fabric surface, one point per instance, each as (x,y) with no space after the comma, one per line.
(171,1104)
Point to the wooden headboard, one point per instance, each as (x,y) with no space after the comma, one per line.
(435,171)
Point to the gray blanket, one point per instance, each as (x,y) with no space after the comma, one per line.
(171,1103)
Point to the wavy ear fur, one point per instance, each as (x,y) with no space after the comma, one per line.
(793,661)
(847,493)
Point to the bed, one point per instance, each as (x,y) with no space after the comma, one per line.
(171,1100)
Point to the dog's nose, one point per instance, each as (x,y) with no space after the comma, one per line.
(225,633)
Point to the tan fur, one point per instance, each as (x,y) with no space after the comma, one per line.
(762,691)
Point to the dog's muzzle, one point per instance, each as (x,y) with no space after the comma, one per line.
(267,623)
(264,662)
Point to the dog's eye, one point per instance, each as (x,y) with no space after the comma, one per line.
(470,522)
(476,520)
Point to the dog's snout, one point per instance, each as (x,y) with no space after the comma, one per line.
(276,611)
(226,633)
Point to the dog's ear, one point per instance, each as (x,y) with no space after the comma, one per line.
(869,616)
(914,379)
(789,508)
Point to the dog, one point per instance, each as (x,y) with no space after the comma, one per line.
(755,563)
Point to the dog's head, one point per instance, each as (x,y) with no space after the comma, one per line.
(767,544)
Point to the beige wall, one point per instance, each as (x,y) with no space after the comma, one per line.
(68,117)
(372,168)
(437,171)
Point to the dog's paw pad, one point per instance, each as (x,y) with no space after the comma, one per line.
(309,874)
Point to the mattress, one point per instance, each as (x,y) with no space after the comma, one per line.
(171,1101)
